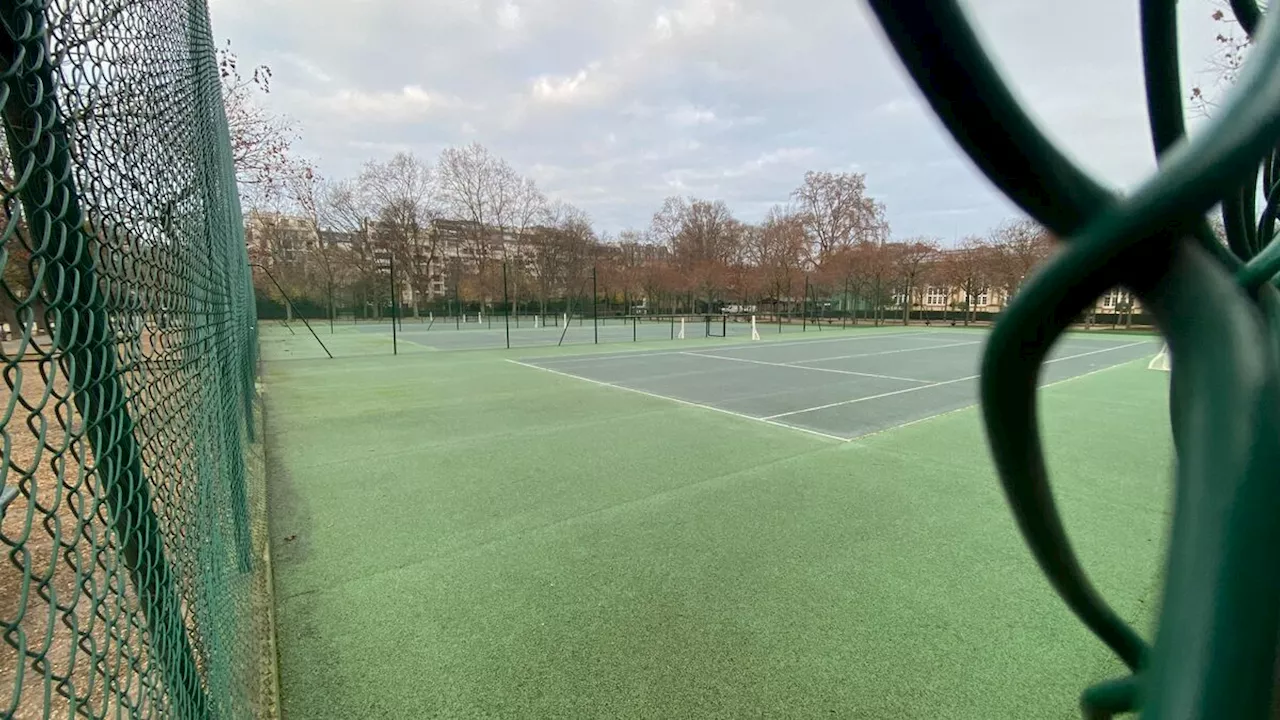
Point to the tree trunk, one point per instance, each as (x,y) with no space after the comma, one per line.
(9,316)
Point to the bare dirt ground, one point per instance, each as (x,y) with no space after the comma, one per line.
(74,639)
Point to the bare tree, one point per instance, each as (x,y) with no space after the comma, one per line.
(705,241)
(562,252)
(1019,246)
(261,141)
(911,260)
(777,249)
(480,189)
(528,209)
(401,192)
(347,212)
(837,212)
(969,268)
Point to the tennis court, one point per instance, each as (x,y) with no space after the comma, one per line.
(839,387)
(676,529)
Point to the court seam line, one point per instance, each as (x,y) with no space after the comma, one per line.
(934,385)
(802,367)
(681,401)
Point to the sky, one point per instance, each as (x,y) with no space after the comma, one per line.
(613,105)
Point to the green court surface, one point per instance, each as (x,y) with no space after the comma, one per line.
(457,535)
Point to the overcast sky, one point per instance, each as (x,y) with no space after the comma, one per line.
(615,104)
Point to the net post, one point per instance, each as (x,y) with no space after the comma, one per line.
(507,303)
(681,328)
(595,324)
(633,328)
(755,334)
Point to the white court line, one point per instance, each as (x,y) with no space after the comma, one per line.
(938,384)
(802,367)
(917,421)
(739,346)
(689,403)
(887,352)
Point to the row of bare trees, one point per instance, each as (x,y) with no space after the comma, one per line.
(470,229)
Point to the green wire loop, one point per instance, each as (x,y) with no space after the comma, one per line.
(1221,604)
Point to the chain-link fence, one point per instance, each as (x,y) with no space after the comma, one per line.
(132,514)
(1215,647)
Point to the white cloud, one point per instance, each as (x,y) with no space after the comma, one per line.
(781,156)
(410,103)
(692,16)
(508,16)
(690,115)
(310,69)
(582,85)
(897,106)
(619,102)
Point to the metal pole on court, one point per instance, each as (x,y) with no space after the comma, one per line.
(804,308)
(507,302)
(457,301)
(394,348)
(633,328)
(595,327)
(844,322)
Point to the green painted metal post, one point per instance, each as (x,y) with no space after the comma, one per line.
(39,150)
(507,304)
(804,307)
(394,302)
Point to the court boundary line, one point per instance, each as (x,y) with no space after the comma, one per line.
(681,401)
(887,352)
(970,406)
(937,384)
(802,367)
(583,357)
(768,420)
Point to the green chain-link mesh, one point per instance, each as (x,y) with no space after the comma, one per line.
(132,515)
(1214,653)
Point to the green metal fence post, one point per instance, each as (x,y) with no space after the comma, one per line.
(804,307)
(506,302)
(394,302)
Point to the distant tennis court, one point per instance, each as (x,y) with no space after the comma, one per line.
(839,387)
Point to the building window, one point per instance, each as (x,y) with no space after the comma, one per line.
(981,299)
(936,296)
(1115,298)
